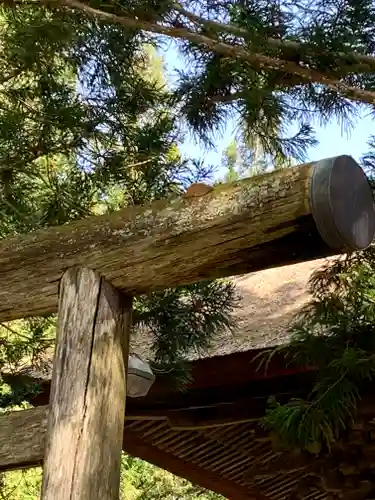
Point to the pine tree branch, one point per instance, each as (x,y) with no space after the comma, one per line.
(260,61)
(328,390)
(234,96)
(362,60)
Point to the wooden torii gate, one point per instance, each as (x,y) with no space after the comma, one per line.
(89,270)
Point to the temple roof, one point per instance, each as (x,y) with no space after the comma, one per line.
(269,301)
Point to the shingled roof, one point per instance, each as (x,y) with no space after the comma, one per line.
(269,300)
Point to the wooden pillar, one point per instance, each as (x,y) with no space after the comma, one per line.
(88,390)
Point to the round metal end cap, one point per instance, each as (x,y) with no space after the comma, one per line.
(342,204)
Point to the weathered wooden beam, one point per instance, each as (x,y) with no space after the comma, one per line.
(22,438)
(283,217)
(88,390)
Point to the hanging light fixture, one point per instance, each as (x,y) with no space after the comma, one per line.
(140,377)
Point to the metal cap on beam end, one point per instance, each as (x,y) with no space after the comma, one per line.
(342,203)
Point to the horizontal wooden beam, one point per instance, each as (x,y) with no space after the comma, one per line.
(22,433)
(22,438)
(283,217)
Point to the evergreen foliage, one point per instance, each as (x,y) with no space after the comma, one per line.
(268,63)
(335,334)
(139,481)
(143,481)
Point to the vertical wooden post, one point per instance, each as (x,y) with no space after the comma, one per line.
(88,390)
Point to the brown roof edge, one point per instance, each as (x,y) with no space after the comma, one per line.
(232,370)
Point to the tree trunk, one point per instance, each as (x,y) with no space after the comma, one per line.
(287,216)
(88,391)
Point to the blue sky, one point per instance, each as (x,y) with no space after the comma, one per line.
(332,139)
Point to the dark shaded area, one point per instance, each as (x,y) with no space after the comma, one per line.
(230,379)
(304,244)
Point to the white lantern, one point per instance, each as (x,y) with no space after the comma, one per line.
(140,377)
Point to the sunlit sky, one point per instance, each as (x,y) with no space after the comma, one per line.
(332,139)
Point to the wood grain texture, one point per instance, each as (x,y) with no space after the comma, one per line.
(88,391)
(235,228)
(22,438)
